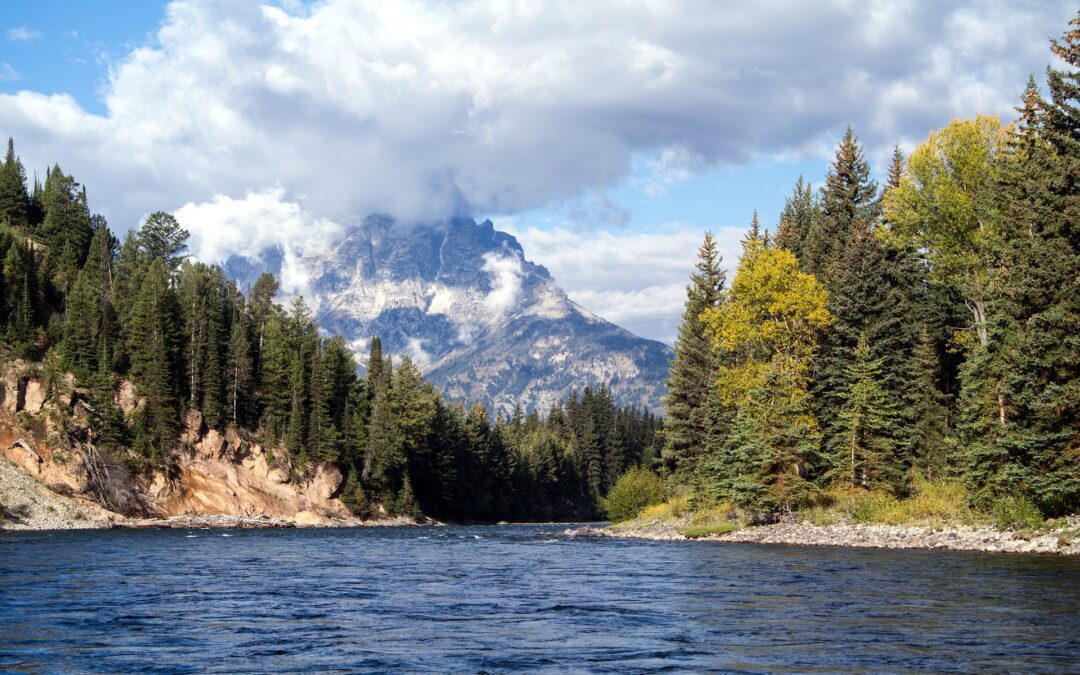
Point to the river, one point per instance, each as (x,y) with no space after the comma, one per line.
(503,598)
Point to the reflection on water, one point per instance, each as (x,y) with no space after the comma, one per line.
(517,597)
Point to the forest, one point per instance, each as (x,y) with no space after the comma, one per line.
(76,299)
(926,330)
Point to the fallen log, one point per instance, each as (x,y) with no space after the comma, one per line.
(20,443)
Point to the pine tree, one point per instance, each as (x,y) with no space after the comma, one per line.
(849,201)
(14,200)
(801,211)
(928,440)
(274,393)
(163,239)
(1034,355)
(151,335)
(239,365)
(693,368)
(89,329)
(867,418)
(67,220)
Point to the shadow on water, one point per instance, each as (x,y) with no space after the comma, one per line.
(500,598)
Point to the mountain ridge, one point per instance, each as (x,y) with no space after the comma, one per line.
(483,322)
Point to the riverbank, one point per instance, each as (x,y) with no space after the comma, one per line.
(955,537)
(26,504)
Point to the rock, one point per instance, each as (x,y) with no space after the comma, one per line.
(233,441)
(324,483)
(33,396)
(126,398)
(193,427)
(212,445)
(277,475)
(310,519)
(11,384)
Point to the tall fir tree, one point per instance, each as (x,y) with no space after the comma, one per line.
(693,368)
(849,201)
(14,199)
(801,211)
(865,455)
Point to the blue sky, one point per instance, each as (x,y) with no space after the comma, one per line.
(68,46)
(602,134)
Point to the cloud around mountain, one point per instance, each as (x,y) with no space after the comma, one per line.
(286,123)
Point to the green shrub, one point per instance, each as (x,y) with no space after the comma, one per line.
(1016,512)
(635,490)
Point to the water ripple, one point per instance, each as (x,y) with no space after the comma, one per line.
(510,598)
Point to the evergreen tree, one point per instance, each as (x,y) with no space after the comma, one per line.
(163,239)
(928,441)
(801,211)
(239,366)
(14,200)
(89,324)
(693,368)
(867,423)
(1034,354)
(151,334)
(67,223)
(849,202)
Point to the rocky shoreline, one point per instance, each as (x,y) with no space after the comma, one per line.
(27,505)
(951,537)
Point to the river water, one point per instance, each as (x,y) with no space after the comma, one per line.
(501,598)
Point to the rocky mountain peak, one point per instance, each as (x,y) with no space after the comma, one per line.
(484,323)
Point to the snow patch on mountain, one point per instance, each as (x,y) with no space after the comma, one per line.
(462,301)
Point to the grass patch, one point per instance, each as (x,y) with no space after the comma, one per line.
(819,515)
(717,529)
(676,507)
(714,515)
(932,503)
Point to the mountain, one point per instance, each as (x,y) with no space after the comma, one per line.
(483,322)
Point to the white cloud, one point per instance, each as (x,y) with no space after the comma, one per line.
(415,351)
(249,225)
(421,110)
(22,34)
(635,279)
(506,273)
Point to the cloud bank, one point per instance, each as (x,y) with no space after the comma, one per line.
(285,123)
(423,110)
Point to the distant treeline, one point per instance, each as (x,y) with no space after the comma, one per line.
(932,327)
(76,299)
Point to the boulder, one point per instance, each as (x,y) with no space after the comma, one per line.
(33,396)
(324,482)
(310,519)
(277,475)
(126,398)
(212,445)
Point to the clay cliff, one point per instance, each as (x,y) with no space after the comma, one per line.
(44,431)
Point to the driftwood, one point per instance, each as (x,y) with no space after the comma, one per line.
(90,409)
(201,522)
(21,443)
(109,481)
